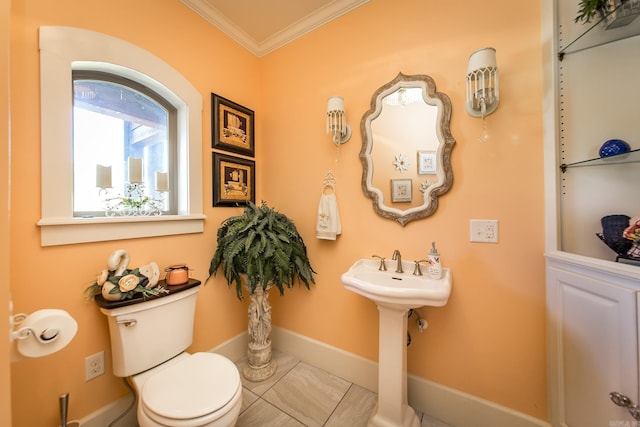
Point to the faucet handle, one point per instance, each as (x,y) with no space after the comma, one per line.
(417,271)
(383,266)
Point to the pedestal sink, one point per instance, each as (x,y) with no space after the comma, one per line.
(395,294)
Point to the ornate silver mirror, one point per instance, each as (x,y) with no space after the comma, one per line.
(406,135)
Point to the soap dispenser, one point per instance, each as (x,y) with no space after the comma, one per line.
(435,268)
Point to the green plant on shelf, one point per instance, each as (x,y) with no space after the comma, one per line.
(588,9)
(135,202)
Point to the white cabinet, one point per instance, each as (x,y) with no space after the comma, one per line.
(591,95)
(593,342)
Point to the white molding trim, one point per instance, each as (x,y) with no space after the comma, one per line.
(550,124)
(105,415)
(213,16)
(443,403)
(234,348)
(294,31)
(64,49)
(349,366)
(446,404)
(624,274)
(457,408)
(70,231)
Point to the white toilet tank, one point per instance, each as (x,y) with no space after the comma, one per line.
(151,332)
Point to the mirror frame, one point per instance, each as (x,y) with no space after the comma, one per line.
(433,98)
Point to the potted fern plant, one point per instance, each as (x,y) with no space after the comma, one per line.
(614,13)
(255,251)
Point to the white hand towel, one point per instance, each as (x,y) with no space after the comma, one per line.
(328,225)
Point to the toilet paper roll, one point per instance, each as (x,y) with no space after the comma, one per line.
(46,331)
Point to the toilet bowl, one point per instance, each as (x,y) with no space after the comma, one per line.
(190,390)
(173,388)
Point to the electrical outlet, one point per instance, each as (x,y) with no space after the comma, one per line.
(93,366)
(483,230)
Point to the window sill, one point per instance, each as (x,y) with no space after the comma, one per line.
(65,231)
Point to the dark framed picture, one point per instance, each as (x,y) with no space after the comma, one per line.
(232,127)
(234,180)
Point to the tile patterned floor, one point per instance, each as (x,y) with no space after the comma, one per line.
(300,395)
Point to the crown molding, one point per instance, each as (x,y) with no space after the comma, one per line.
(294,31)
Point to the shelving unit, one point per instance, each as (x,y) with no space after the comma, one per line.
(592,301)
(598,93)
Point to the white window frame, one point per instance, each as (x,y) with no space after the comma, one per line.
(64,49)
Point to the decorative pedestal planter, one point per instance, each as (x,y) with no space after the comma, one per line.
(257,250)
(260,365)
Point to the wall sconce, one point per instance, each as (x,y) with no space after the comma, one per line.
(483,95)
(337,121)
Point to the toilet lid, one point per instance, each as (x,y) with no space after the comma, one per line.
(195,387)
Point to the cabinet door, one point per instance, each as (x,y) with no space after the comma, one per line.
(593,331)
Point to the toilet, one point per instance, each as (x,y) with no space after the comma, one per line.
(174,388)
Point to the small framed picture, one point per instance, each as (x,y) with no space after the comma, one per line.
(232,126)
(401,190)
(234,180)
(427,163)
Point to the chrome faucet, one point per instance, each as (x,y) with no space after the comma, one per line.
(397,257)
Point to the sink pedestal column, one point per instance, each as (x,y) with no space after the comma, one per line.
(392,409)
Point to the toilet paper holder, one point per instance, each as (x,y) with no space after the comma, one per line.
(44,337)
(51,329)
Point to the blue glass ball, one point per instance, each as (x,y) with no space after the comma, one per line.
(613,147)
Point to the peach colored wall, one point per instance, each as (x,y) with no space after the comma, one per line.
(489,340)
(5,383)
(55,277)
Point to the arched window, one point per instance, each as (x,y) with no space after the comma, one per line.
(72,58)
(114,120)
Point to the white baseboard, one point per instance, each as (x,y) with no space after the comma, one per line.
(351,367)
(460,409)
(105,415)
(234,348)
(443,403)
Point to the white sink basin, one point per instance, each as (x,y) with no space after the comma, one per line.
(394,294)
(401,290)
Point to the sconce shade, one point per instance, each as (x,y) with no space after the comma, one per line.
(337,121)
(483,95)
(335,103)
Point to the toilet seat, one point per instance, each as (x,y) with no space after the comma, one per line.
(194,391)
